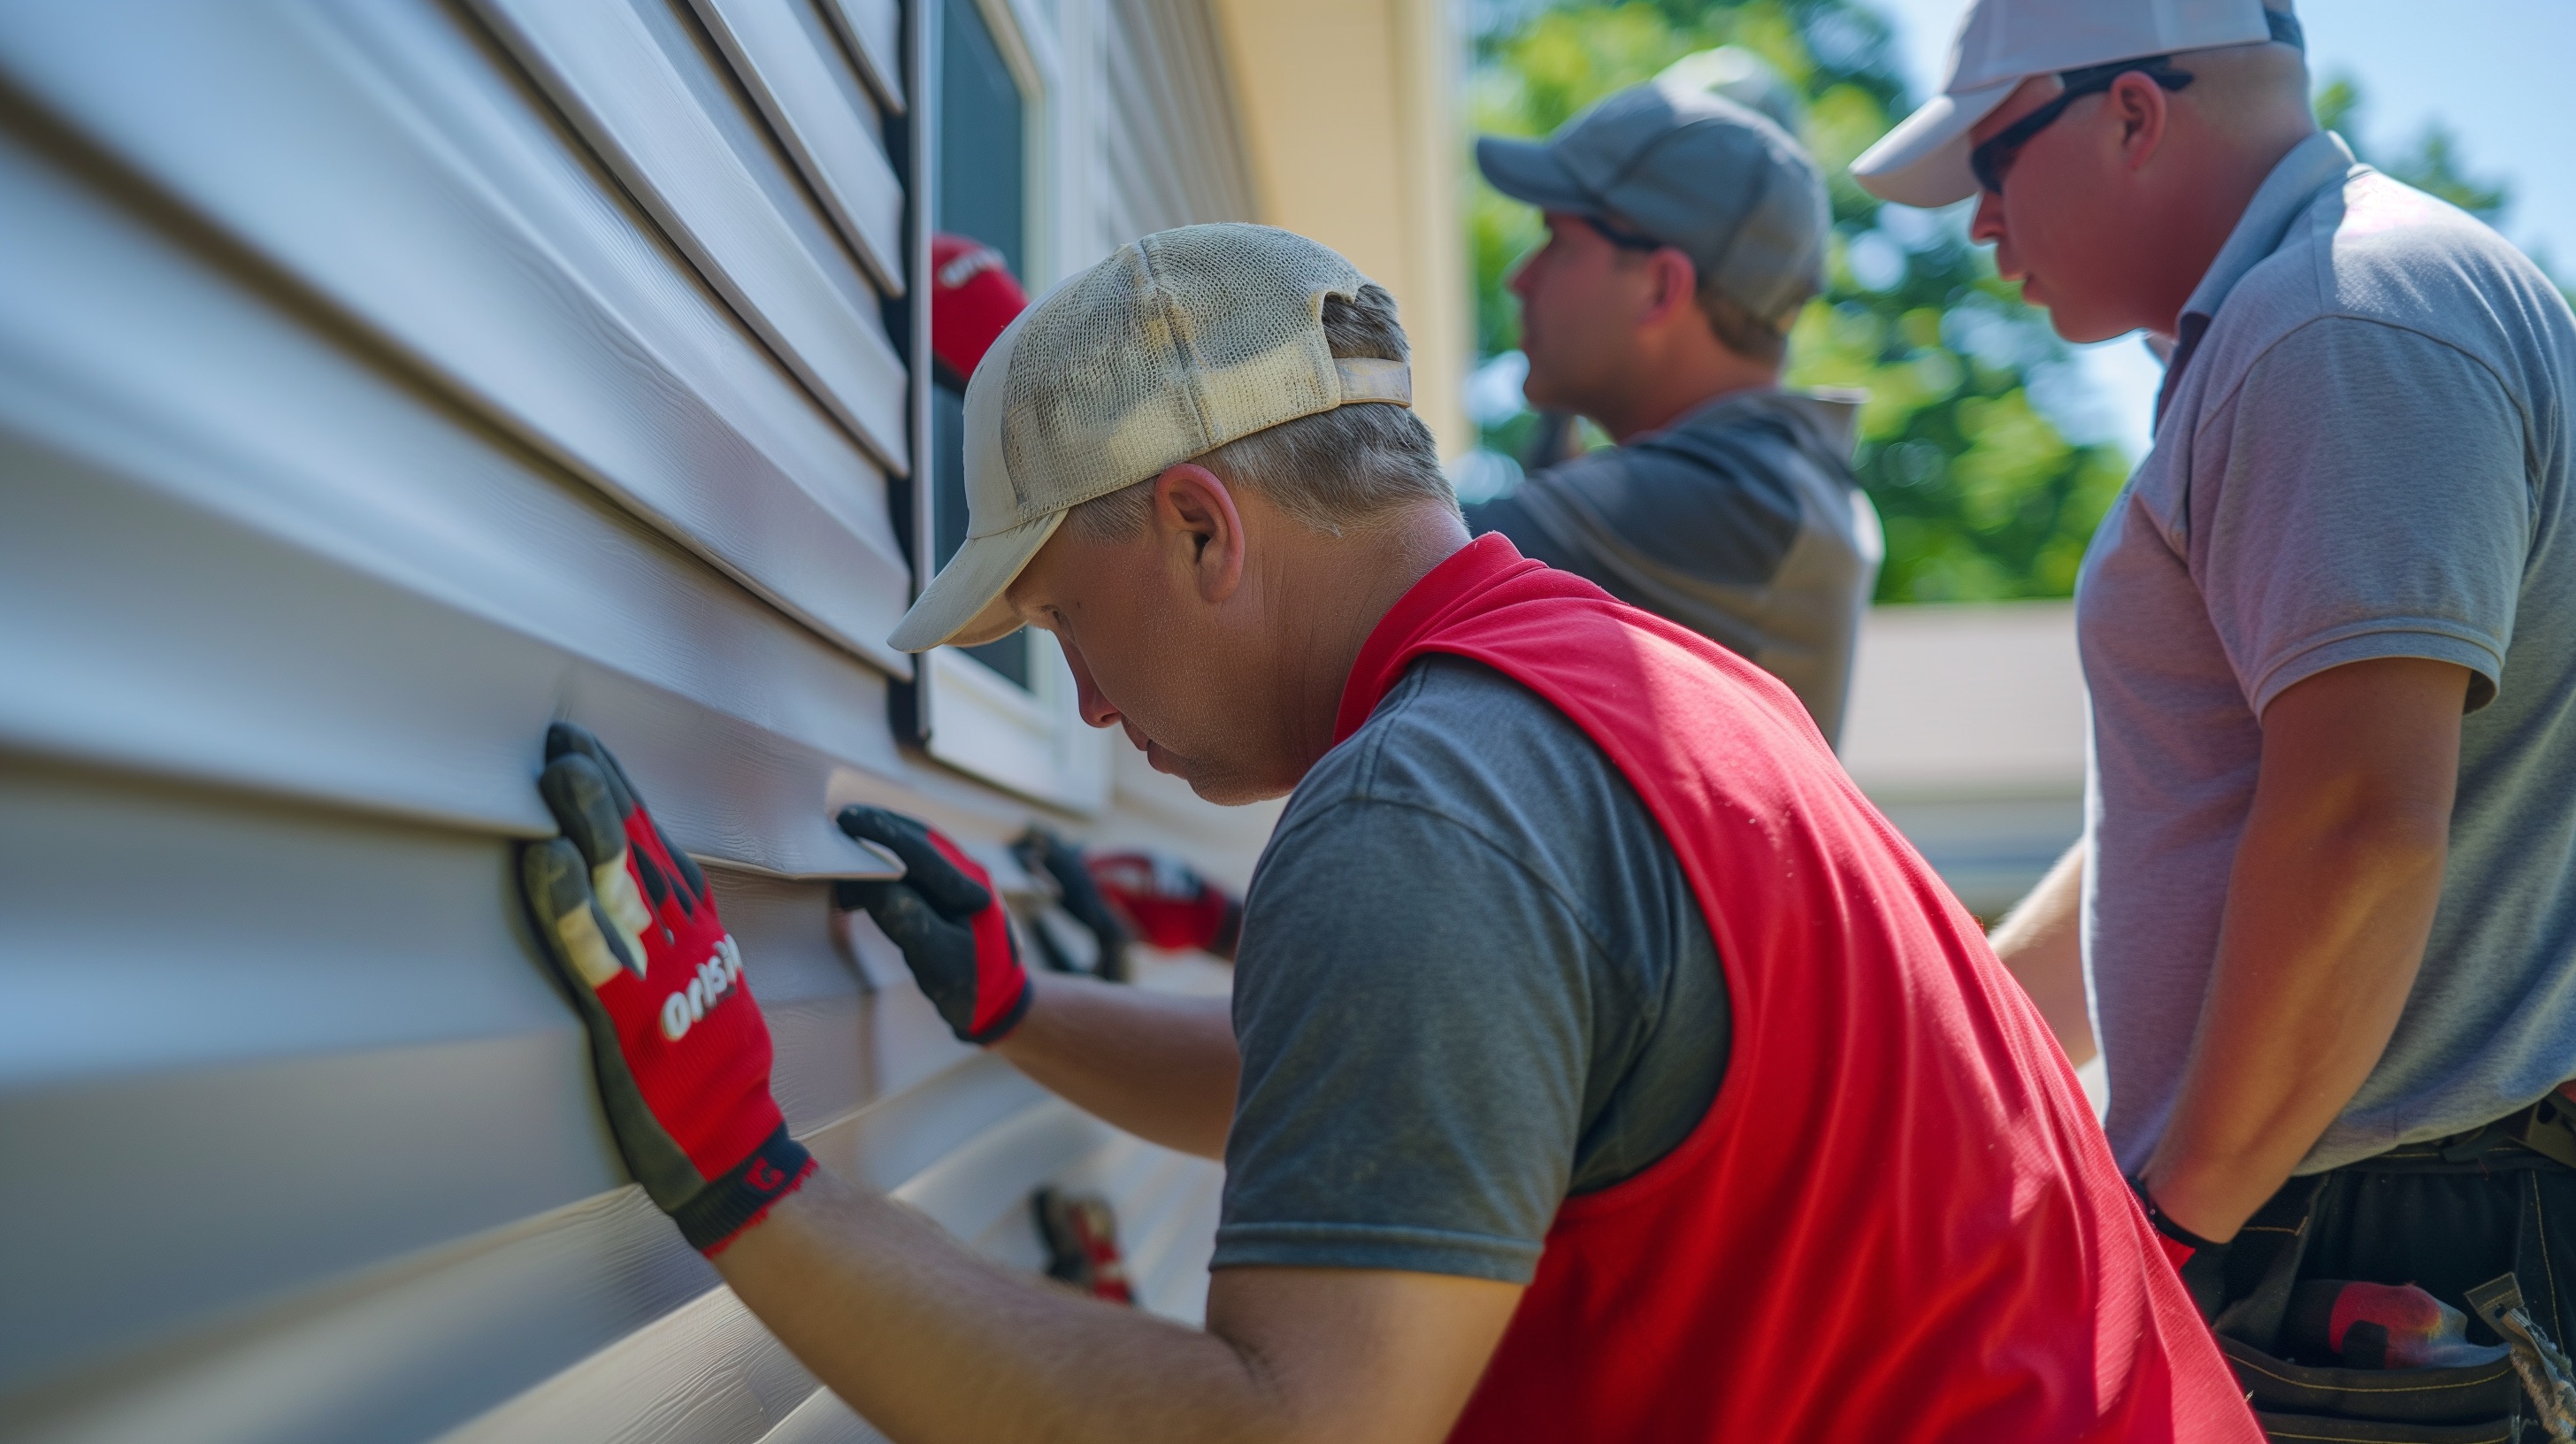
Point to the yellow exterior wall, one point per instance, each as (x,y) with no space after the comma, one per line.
(1349,112)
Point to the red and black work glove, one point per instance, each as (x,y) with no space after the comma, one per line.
(681,1052)
(1042,851)
(2202,1263)
(1165,903)
(945,916)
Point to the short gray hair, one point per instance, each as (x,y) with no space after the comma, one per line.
(1347,467)
(1747,335)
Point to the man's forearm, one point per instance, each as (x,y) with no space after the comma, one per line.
(933,1344)
(2040,941)
(2328,907)
(1159,1066)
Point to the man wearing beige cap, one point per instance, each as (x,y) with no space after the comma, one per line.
(1599,1065)
(2325,901)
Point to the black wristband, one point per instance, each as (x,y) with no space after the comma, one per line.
(727,1206)
(2167,1226)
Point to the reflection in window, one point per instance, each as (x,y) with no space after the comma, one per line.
(982,193)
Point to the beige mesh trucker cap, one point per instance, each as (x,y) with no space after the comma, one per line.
(1169,349)
(2001,43)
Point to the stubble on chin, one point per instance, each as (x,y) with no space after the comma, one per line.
(1224,783)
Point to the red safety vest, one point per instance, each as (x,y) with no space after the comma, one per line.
(1898,1220)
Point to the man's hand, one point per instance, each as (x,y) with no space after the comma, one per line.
(680,1050)
(945,916)
(1080,897)
(2328,907)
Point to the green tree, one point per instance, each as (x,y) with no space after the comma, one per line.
(2431,161)
(1982,496)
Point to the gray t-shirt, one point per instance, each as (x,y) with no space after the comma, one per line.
(1473,980)
(1741,521)
(2363,453)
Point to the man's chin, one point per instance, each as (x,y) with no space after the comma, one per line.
(1213,783)
(1234,791)
(1539,393)
(2074,325)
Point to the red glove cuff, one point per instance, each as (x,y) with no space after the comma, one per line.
(1001,984)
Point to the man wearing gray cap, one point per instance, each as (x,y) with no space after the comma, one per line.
(1598,1066)
(1685,231)
(2326,900)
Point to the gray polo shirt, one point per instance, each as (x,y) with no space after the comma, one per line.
(1473,980)
(1741,521)
(2363,451)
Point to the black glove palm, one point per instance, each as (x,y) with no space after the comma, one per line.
(1080,898)
(945,917)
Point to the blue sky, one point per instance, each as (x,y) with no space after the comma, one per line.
(2489,68)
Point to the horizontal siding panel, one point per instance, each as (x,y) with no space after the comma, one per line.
(637,81)
(1172,150)
(874,29)
(238,550)
(400,1207)
(376,155)
(368,401)
(397,1354)
(790,62)
(823,1419)
(709,1374)
(365,1059)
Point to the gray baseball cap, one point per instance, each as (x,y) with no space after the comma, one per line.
(1694,169)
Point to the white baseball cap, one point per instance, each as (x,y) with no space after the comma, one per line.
(1174,346)
(1924,160)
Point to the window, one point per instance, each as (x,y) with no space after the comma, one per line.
(982,193)
(1005,711)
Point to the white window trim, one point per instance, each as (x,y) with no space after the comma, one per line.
(1032,741)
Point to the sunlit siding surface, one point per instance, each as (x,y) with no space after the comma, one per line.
(379,381)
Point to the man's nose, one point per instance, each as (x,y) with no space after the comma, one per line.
(1094,707)
(1518,282)
(1986,228)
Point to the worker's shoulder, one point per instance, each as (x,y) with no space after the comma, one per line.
(1460,739)
(1741,436)
(2377,251)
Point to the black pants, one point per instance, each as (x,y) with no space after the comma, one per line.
(2444,1216)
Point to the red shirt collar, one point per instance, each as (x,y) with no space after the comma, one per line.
(1441,595)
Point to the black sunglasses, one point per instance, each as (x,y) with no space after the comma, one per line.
(1991,160)
(1624,240)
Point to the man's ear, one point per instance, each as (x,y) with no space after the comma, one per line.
(1676,286)
(2143,111)
(1199,530)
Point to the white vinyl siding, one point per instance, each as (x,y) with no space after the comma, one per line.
(379,381)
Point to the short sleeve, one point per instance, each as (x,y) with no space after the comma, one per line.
(2365,494)
(1415,1018)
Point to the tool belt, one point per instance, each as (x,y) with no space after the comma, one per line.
(2488,1403)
